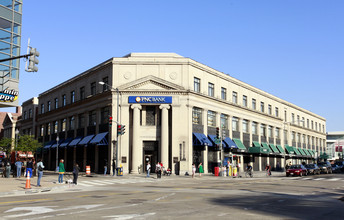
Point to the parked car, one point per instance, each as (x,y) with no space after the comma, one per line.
(325,167)
(341,165)
(296,170)
(335,168)
(312,169)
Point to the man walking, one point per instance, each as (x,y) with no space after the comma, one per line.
(19,165)
(148,169)
(29,167)
(40,167)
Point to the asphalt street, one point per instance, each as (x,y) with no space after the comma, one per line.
(311,197)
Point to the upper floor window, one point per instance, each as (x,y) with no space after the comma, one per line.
(293,118)
(312,124)
(224,121)
(270,109)
(82,93)
(92,118)
(276,112)
(211,118)
(81,121)
(254,104)
(263,130)
(93,88)
(41,130)
(64,100)
(316,126)
(223,93)
(262,107)
(245,126)
(49,106)
(277,133)
(197,84)
(150,115)
(104,115)
(25,115)
(307,123)
(235,97)
(71,123)
(48,129)
(63,124)
(211,89)
(196,116)
(72,96)
(106,82)
(235,124)
(30,113)
(56,103)
(244,100)
(56,126)
(254,128)
(270,131)
(298,119)
(42,108)
(303,121)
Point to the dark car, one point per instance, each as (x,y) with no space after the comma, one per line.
(335,168)
(325,167)
(341,165)
(312,169)
(296,170)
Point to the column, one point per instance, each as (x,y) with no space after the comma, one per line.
(205,131)
(164,134)
(137,148)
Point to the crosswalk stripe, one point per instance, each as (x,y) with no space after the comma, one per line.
(334,179)
(93,183)
(318,179)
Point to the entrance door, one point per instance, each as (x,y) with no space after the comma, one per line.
(150,154)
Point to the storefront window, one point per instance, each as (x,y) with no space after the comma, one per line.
(277,133)
(197,116)
(235,124)
(270,131)
(224,121)
(211,118)
(254,128)
(245,126)
(263,130)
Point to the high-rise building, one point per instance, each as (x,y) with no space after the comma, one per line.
(10,35)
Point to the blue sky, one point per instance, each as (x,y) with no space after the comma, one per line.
(289,48)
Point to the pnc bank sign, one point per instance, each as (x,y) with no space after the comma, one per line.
(150,99)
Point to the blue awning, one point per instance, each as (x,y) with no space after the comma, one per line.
(230,143)
(48,145)
(100,139)
(66,142)
(55,143)
(201,140)
(212,138)
(86,139)
(74,142)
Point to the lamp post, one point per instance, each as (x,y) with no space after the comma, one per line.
(117,118)
(16,137)
(57,151)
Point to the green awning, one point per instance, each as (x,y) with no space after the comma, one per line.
(302,152)
(280,148)
(307,152)
(258,150)
(256,144)
(297,152)
(240,145)
(324,155)
(266,146)
(274,148)
(289,149)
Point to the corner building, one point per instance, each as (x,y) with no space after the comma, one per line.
(172,107)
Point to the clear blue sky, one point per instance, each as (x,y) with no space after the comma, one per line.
(292,49)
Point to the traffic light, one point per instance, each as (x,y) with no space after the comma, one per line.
(217,132)
(33,60)
(110,121)
(120,129)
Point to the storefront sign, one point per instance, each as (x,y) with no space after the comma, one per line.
(8,95)
(150,99)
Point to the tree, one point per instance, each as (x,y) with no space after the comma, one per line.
(5,145)
(27,143)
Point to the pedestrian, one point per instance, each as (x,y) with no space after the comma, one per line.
(29,167)
(158,170)
(76,170)
(193,170)
(113,167)
(19,165)
(40,167)
(238,167)
(278,166)
(200,169)
(105,166)
(148,168)
(61,171)
(8,170)
(228,165)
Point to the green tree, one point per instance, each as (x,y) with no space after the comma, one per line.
(5,145)
(28,143)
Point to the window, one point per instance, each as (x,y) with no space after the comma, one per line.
(93,88)
(25,115)
(71,123)
(211,118)
(285,115)
(81,121)
(63,124)
(254,105)
(276,112)
(298,119)
(106,82)
(245,126)
(56,103)
(64,100)
(30,113)
(104,115)
(235,124)
(263,130)
(196,116)
(262,106)
(270,129)
(270,109)
(48,129)
(42,108)
(277,133)
(150,115)
(41,130)
(211,89)
(285,134)
(49,106)
(197,84)
(303,121)
(56,126)
(223,93)
(307,123)
(293,136)
(254,128)
(82,93)
(244,100)
(92,118)
(316,125)
(312,124)
(235,97)
(293,118)
(72,96)
(224,121)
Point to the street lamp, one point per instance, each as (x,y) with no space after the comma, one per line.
(16,137)
(57,151)
(103,83)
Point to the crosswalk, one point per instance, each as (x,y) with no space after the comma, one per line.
(314,179)
(87,183)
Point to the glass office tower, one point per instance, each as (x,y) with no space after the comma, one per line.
(10,35)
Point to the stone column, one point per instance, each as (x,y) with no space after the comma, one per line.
(137,148)
(164,134)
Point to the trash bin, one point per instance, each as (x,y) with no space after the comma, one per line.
(119,171)
(216,171)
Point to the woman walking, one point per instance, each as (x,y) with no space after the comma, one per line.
(200,169)
(40,167)
(193,170)
(61,171)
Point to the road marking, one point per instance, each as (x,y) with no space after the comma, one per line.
(130,216)
(22,201)
(93,183)
(319,179)
(334,179)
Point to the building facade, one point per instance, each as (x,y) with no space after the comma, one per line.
(10,37)
(335,145)
(173,109)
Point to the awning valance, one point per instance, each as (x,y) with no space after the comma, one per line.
(274,148)
(239,144)
(200,139)
(230,143)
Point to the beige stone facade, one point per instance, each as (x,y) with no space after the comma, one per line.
(202,99)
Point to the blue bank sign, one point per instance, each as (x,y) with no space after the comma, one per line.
(150,99)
